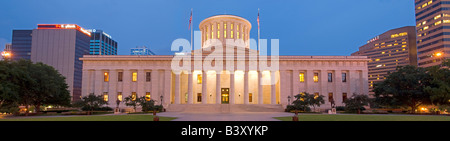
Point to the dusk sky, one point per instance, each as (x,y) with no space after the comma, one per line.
(304,27)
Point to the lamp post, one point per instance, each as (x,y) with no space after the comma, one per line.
(161,97)
(289,100)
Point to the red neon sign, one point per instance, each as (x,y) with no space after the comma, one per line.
(64,26)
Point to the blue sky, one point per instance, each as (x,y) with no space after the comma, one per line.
(304,27)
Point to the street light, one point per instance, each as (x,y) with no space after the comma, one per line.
(438,54)
(6,54)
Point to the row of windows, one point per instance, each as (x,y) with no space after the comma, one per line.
(316,77)
(224,32)
(434,12)
(134,76)
(120,96)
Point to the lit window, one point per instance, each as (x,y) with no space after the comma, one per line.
(199,79)
(316,94)
(377,59)
(382,52)
(232,26)
(330,97)
(119,96)
(316,77)
(133,96)
(225,34)
(437,17)
(224,26)
(106,77)
(134,76)
(403,49)
(231,34)
(238,34)
(302,77)
(250,97)
(147,96)
(218,34)
(212,35)
(438,22)
(424,22)
(446,21)
(199,97)
(218,26)
(425,28)
(105,96)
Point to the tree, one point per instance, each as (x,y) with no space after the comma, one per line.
(304,100)
(404,87)
(132,101)
(356,102)
(91,102)
(439,88)
(9,95)
(146,105)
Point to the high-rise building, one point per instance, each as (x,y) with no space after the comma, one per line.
(21,44)
(61,46)
(433,31)
(396,47)
(141,50)
(6,53)
(8,47)
(102,43)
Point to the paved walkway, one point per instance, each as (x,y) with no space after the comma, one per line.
(247,116)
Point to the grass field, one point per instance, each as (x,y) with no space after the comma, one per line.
(326,117)
(92,118)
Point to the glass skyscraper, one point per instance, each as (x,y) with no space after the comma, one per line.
(102,43)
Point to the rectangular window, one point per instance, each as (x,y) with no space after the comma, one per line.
(330,97)
(134,76)
(250,97)
(199,78)
(106,77)
(105,96)
(344,97)
(218,34)
(344,77)
(330,77)
(119,96)
(186,97)
(133,96)
(231,35)
(225,34)
(316,77)
(316,94)
(120,76)
(148,76)
(147,96)
(199,97)
(302,77)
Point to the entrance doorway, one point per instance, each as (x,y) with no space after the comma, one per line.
(225,95)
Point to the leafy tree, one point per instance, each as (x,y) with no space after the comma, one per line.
(132,101)
(304,100)
(146,105)
(91,102)
(405,87)
(9,95)
(315,101)
(356,102)
(439,88)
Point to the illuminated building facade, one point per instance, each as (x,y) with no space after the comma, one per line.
(102,43)
(433,31)
(241,87)
(396,47)
(61,46)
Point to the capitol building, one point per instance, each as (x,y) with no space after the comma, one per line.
(224,75)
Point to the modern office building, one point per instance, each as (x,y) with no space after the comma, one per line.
(21,44)
(8,47)
(240,80)
(141,50)
(61,46)
(102,43)
(396,47)
(433,31)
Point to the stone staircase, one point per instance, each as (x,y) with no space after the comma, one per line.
(223,108)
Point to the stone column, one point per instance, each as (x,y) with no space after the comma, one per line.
(190,94)
(273,97)
(177,87)
(141,83)
(295,82)
(337,81)
(246,87)
(323,80)
(99,80)
(218,90)
(232,88)
(112,88)
(167,87)
(309,80)
(85,83)
(365,81)
(155,95)
(260,88)
(204,87)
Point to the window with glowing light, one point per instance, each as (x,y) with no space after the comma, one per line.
(302,77)
(134,76)
(199,78)
(106,77)
(105,96)
(119,96)
(133,96)
(147,96)
(316,77)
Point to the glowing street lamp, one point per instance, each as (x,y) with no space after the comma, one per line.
(6,54)
(438,54)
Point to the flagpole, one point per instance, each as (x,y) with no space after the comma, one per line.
(258,34)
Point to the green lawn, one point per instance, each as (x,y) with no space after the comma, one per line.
(326,117)
(92,118)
